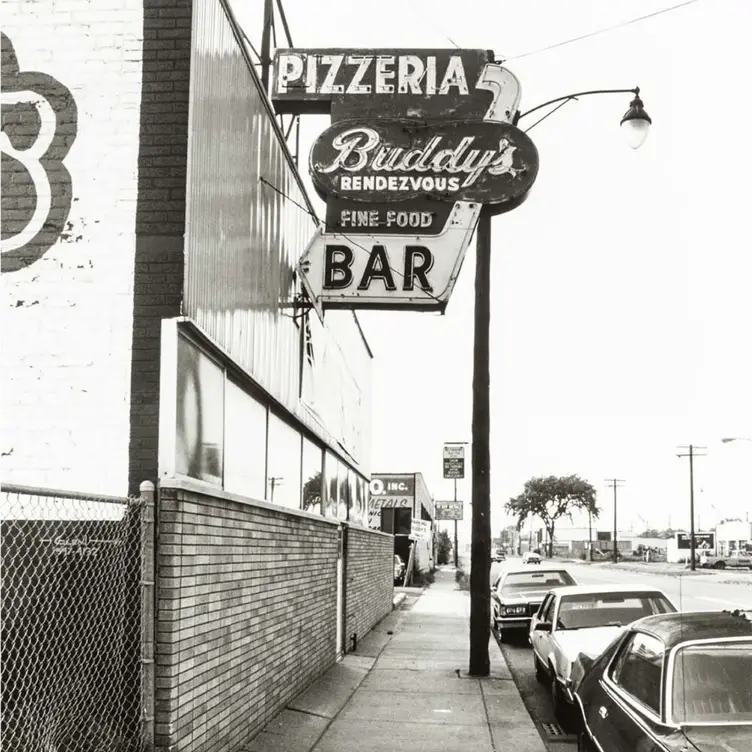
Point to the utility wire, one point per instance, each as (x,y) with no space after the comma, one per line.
(602,31)
(426,16)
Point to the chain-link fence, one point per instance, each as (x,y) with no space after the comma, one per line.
(76,606)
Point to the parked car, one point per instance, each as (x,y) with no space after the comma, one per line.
(399,569)
(671,683)
(584,619)
(499,555)
(531,557)
(735,560)
(516,595)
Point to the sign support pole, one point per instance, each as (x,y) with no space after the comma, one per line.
(480,616)
(456,554)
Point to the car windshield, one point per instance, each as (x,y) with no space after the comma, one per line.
(712,683)
(589,610)
(517,582)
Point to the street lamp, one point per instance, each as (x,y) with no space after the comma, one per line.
(635,125)
(636,122)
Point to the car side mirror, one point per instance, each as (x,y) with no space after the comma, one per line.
(543,626)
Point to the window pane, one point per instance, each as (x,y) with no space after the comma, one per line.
(283,480)
(200,415)
(313,457)
(344,491)
(245,444)
(713,683)
(402,521)
(363,495)
(639,673)
(331,478)
(355,512)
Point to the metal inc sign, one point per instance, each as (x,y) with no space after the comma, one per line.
(399,159)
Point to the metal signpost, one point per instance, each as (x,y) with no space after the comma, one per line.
(454,469)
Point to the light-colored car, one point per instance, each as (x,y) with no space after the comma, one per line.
(399,569)
(517,593)
(584,619)
(530,557)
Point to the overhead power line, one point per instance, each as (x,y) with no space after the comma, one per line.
(602,31)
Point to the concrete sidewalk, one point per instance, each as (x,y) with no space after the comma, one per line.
(406,688)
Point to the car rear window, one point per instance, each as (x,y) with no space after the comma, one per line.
(517,581)
(713,683)
(588,610)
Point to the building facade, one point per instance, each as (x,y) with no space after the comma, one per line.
(396,499)
(154,330)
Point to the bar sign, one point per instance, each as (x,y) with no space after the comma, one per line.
(454,461)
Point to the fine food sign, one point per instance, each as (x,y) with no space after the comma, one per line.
(399,159)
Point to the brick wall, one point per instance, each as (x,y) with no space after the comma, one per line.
(160,215)
(246,616)
(369,587)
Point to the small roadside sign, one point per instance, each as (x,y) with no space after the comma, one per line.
(448,510)
(420,530)
(454,461)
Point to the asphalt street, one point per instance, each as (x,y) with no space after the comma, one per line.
(702,591)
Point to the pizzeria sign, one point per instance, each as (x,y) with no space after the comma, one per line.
(420,142)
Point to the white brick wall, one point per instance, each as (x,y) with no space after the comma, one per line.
(67,318)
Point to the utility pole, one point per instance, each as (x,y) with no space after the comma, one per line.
(615,483)
(480,551)
(590,534)
(691,452)
(274,482)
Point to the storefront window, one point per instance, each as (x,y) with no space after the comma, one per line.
(357,513)
(245,443)
(344,491)
(313,457)
(283,475)
(200,415)
(331,478)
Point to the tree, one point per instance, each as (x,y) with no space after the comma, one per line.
(552,498)
(312,493)
(443,547)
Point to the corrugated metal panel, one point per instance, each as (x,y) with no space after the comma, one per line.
(242,238)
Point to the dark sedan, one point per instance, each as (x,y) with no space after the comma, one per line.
(517,594)
(670,683)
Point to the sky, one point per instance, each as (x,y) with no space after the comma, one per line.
(621,305)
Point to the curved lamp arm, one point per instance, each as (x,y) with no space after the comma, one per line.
(635,91)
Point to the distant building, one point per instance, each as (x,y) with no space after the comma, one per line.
(734,535)
(396,500)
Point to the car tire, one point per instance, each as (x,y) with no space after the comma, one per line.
(540,673)
(558,702)
(719,565)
